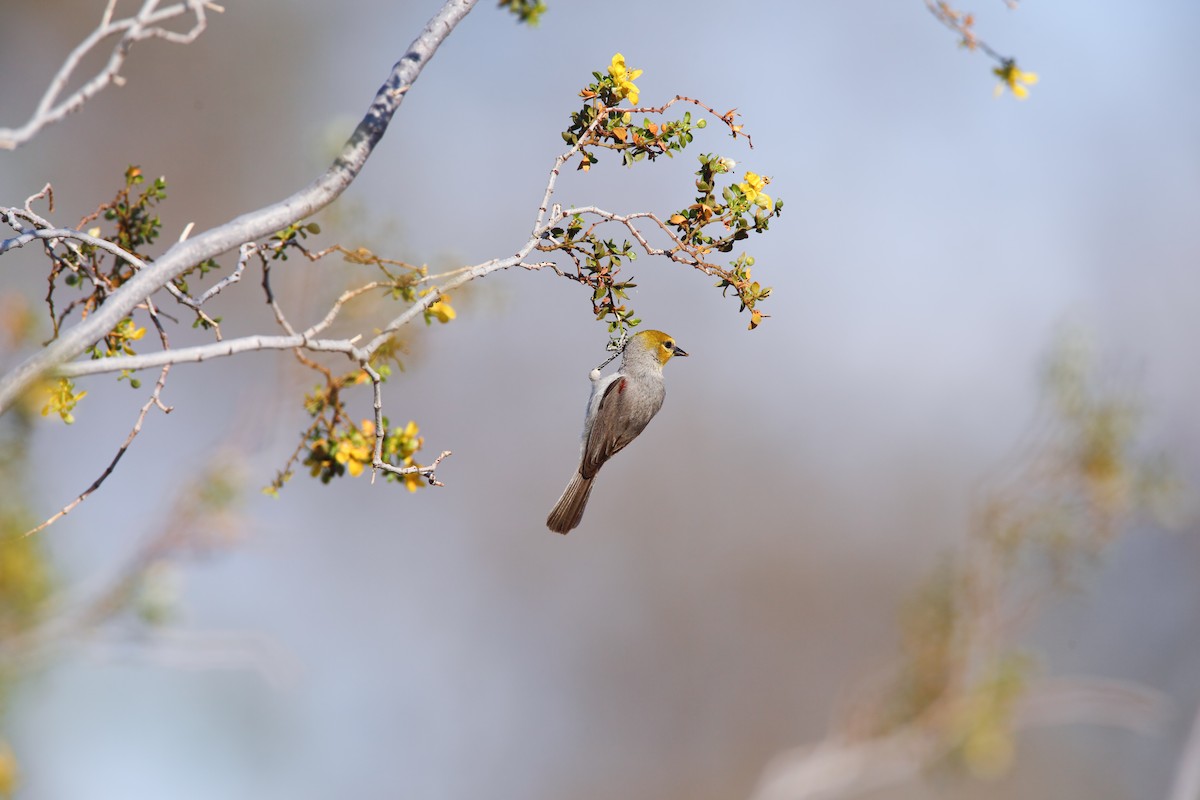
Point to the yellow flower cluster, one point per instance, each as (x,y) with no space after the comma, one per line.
(1015,79)
(61,398)
(753,189)
(399,447)
(440,309)
(354,451)
(624,78)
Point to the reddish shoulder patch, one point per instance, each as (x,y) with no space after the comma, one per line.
(621,386)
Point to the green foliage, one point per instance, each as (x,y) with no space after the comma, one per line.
(526,11)
(333,446)
(94,273)
(289,236)
(119,341)
(743,208)
(618,132)
(600,124)
(334,449)
(203,268)
(136,225)
(723,213)
(598,261)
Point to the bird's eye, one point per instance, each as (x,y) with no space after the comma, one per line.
(668,344)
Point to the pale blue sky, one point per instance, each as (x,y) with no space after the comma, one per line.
(934,242)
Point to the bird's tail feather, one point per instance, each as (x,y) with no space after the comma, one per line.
(568,511)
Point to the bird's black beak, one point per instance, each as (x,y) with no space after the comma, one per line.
(679,351)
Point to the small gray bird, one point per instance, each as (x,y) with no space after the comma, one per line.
(621,406)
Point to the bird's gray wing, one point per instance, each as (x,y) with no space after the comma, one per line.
(622,415)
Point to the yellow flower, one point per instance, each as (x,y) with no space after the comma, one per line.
(624,79)
(61,398)
(8,771)
(128,330)
(407,442)
(355,455)
(1014,79)
(442,310)
(753,189)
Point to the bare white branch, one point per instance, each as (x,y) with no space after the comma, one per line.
(145,24)
(55,235)
(246,344)
(338,304)
(249,232)
(204,352)
(254,225)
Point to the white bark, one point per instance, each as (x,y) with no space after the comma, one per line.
(252,225)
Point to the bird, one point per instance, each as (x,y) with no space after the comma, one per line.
(620,407)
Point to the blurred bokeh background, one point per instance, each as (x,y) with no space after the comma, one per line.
(741,569)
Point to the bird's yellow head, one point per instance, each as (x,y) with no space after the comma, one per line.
(658,344)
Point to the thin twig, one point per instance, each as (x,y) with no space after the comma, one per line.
(146,24)
(962,24)
(155,400)
(252,226)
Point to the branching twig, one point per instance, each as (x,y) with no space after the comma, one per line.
(963,25)
(246,344)
(54,235)
(249,227)
(540,225)
(194,303)
(146,24)
(186,254)
(338,304)
(429,472)
(678,253)
(154,400)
